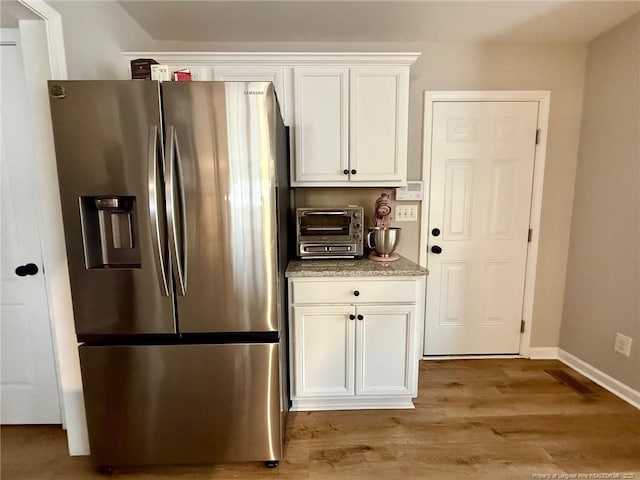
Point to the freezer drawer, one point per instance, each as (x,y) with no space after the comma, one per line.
(178,404)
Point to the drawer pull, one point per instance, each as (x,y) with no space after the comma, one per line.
(356,293)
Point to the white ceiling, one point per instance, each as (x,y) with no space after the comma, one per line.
(378,21)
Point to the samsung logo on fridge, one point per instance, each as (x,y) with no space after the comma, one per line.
(253,92)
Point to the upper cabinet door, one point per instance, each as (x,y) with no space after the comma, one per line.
(378,105)
(321,124)
(256,73)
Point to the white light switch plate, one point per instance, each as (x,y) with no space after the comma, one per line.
(406,213)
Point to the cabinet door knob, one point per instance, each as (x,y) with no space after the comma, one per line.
(352,317)
(353,172)
(436,249)
(356,293)
(345,171)
(360,317)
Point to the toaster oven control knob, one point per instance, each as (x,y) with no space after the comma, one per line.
(356,236)
(356,293)
(356,225)
(356,214)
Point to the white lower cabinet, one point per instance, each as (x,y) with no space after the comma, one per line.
(360,354)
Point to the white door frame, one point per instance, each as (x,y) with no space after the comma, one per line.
(54,256)
(543,97)
(55,38)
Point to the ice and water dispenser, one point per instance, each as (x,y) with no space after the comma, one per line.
(109,231)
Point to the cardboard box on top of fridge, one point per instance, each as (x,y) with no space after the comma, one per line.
(141,68)
(161,73)
(183,75)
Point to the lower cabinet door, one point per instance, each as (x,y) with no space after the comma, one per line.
(385,354)
(323,341)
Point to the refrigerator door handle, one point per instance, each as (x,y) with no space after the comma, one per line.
(176,210)
(152,152)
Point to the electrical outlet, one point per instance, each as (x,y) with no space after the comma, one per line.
(406,213)
(623,344)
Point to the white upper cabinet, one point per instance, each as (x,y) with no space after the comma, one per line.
(350,125)
(348,111)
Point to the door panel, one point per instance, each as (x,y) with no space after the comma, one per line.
(481,182)
(225,168)
(377,127)
(102,141)
(385,359)
(457,200)
(28,378)
(323,351)
(321,124)
(182,403)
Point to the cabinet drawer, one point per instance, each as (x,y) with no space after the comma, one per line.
(344,291)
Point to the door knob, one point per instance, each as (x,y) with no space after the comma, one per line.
(436,249)
(28,269)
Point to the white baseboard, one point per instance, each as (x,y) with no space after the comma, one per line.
(607,382)
(350,403)
(543,353)
(467,357)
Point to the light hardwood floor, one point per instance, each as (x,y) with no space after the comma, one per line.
(479,419)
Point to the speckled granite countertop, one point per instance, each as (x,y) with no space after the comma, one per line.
(363,267)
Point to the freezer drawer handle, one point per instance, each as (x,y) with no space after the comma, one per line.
(153,209)
(176,210)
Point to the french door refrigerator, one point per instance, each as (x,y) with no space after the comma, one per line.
(174,202)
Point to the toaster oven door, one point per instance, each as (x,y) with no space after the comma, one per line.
(319,226)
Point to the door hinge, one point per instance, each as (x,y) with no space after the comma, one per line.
(529,235)
(537,136)
(521,326)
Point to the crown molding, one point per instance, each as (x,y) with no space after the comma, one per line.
(278,58)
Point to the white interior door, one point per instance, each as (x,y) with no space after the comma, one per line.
(481,182)
(28,377)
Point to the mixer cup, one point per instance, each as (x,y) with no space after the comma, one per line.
(383,240)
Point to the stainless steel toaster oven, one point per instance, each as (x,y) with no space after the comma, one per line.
(329,232)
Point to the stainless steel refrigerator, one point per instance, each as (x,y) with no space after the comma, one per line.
(174,201)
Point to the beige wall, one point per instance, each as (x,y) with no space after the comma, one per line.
(603,284)
(95,34)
